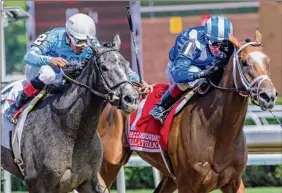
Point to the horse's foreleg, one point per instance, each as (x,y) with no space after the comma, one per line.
(236,187)
(37,186)
(166,185)
(7,162)
(109,171)
(97,185)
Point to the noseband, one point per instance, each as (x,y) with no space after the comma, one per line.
(110,94)
(248,86)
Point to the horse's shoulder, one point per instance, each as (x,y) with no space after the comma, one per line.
(109,115)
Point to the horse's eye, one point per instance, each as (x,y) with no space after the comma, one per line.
(244,63)
(104,68)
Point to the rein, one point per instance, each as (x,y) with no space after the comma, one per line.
(248,86)
(111,94)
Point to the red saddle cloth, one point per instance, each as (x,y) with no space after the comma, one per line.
(144,133)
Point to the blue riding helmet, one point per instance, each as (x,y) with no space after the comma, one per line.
(218,28)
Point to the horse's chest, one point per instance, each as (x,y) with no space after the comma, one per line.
(212,179)
(219,169)
(218,175)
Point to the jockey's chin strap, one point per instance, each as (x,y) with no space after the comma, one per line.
(248,86)
(111,95)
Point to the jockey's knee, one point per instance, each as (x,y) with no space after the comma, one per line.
(183,86)
(47,74)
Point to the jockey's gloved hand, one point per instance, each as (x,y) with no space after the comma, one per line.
(73,71)
(206,73)
(58,61)
(221,60)
(227,49)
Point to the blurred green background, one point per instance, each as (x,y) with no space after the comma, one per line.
(15,39)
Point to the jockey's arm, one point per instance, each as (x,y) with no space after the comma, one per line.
(96,42)
(145,87)
(133,76)
(36,56)
(181,39)
(183,60)
(179,70)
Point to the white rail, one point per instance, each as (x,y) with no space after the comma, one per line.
(196,7)
(253,159)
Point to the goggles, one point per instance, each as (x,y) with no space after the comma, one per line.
(77,42)
(216,44)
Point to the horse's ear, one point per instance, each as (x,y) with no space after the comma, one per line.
(234,41)
(258,36)
(117,42)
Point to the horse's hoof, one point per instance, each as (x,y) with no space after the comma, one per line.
(101,189)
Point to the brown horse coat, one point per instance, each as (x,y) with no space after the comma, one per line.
(207,145)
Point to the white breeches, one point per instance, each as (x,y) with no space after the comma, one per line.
(45,73)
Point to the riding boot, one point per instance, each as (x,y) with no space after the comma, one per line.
(170,97)
(29,91)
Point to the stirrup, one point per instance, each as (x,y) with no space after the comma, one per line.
(203,88)
(161,117)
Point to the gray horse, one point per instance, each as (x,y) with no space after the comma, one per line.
(60,147)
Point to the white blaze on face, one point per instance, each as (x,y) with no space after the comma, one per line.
(258,58)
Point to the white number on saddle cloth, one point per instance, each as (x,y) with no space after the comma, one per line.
(8,96)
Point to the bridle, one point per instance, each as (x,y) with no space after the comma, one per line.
(248,86)
(110,95)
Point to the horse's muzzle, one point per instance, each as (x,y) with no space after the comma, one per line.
(128,103)
(267,99)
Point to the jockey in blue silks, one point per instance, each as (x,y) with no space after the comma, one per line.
(54,49)
(195,51)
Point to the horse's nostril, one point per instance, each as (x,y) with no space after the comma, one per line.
(265,96)
(128,99)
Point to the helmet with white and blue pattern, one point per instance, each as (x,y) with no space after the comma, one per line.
(218,28)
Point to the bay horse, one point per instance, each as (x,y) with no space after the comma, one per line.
(207,145)
(60,145)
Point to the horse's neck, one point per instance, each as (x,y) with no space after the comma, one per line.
(234,108)
(82,107)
